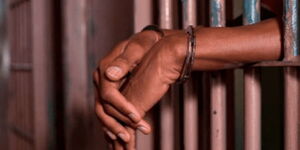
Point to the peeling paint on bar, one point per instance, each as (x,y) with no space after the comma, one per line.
(251,11)
(217,13)
(291,34)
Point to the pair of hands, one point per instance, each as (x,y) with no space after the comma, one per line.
(121,100)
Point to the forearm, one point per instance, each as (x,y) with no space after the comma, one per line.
(219,48)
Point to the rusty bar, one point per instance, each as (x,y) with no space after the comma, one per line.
(143,17)
(291,53)
(167,117)
(77,108)
(190,116)
(218,87)
(252,87)
(4,75)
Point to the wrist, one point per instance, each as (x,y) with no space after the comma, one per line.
(176,48)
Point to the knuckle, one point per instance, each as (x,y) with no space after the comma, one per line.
(108,109)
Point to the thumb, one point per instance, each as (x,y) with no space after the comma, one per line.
(125,62)
(119,68)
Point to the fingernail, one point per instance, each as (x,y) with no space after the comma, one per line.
(111,135)
(133,117)
(143,129)
(114,71)
(123,136)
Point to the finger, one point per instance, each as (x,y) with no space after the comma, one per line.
(109,142)
(120,66)
(111,95)
(116,99)
(131,145)
(143,126)
(112,125)
(109,134)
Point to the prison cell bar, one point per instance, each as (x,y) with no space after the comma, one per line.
(190,116)
(77,108)
(143,17)
(167,117)
(218,87)
(291,53)
(252,87)
(4,75)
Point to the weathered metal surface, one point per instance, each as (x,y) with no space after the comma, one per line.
(218,87)
(291,52)
(252,87)
(190,99)
(291,32)
(167,107)
(217,13)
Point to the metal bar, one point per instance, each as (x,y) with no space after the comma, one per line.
(291,108)
(291,53)
(77,108)
(143,17)
(4,75)
(218,87)
(190,116)
(291,32)
(276,64)
(41,49)
(252,87)
(142,14)
(167,107)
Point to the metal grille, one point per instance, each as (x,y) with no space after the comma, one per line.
(199,115)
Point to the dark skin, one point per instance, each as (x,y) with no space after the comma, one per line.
(157,62)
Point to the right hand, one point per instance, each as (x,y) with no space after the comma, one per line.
(110,105)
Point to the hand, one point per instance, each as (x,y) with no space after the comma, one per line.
(160,68)
(108,78)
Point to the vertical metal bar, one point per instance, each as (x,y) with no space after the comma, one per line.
(190,93)
(252,87)
(143,17)
(218,87)
(167,118)
(77,109)
(142,14)
(291,53)
(41,38)
(4,75)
